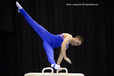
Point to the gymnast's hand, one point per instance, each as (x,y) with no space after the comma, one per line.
(68,60)
(18,5)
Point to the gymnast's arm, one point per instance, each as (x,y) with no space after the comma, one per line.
(60,58)
(63,50)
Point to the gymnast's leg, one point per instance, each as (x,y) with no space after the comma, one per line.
(50,55)
(43,33)
(49,52)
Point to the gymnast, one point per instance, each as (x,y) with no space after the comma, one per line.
(51,41)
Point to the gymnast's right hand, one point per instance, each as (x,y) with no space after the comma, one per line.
(18,5)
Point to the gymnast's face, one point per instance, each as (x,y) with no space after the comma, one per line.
(76,42)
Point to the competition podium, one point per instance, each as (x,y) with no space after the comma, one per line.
(53,74)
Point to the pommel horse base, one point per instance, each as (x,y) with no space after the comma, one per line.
(53,74)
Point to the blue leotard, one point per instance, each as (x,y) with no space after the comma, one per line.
(50,41)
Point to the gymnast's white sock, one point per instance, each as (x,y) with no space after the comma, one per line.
(18,5)
(56,66)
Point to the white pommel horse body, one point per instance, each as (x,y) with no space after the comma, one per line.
(54,74)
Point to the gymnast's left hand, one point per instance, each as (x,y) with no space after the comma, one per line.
(68,60)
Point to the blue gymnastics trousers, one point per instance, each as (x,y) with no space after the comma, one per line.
(50,41)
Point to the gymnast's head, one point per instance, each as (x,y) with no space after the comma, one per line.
(77,41)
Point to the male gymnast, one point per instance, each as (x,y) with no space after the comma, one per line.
(51,41)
